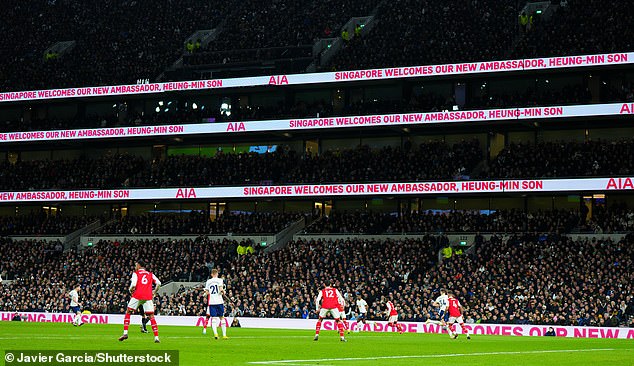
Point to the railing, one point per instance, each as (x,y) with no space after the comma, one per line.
(283,237)
(256,238)
(71,241)
(172,287)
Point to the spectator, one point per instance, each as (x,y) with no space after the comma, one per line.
(242,250)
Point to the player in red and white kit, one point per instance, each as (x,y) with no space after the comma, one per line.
(328,302)
(392,320)
(142,293)
(342,313)
(455,316)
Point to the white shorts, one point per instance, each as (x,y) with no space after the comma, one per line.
(456,319)
(333,312)
(148,305)
(392,319)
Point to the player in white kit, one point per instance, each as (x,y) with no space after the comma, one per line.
(75,306)
(441,302)
(215,291)
(362,308)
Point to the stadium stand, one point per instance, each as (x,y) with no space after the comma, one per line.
(433,160)
(525,267)
(199,223)
(428,161)
(617,219)
(500,221)
(42,224)
(111,170)
(524,281)
(485,30)
(111,47)
(563,159)
(425,32)
(282,35)
(102,270)
(547,282)
(478,30)
(572,30)
(418,101)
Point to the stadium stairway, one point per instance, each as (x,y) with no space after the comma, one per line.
(327,48)
(546,8)
(71,241)
(285,236)
(172,287)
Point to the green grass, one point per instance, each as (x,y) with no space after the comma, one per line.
(253,345)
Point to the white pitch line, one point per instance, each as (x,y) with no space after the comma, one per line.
(238,337)
(287,362)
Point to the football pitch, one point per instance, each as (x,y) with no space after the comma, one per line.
(296,347)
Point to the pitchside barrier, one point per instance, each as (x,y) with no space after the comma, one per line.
(309,325)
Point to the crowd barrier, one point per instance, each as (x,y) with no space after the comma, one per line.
(309,325)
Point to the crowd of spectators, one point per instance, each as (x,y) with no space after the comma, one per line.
(109,171)
(519,279)
(20,255)
(246,56)
(103,270)
(618,218)
(433,160)
(358,222)
(565,282)
(501,221)
(428,161)
(423,32)
(574,30)
(111,46)
(199,223)
(35,224)
(220,169)
(284,24)
(563,159)
(412,32)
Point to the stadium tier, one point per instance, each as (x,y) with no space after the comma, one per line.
(432,166)
(616,219)
(415,99)
(241,38)
(530,290)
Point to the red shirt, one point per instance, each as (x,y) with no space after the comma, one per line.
(391,309)
(143,286)
(329,298)
(454,307)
